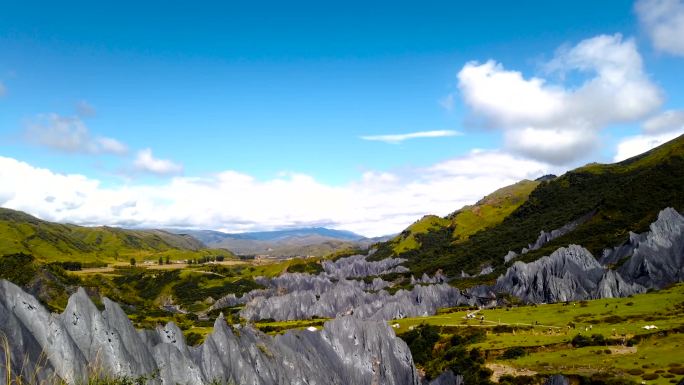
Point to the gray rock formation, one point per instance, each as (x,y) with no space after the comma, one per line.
(653,259)
(557,379)
(511,255)
(437,278)
(447,378)
(338,291)
(616,254)
(658,255)
(568,274)
(546,237)
(82,341)
(357,266)
(348,297)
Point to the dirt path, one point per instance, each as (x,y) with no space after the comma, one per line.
(500,370)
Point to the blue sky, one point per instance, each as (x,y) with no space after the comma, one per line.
(139,99)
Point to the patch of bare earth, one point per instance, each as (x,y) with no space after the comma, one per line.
(501,370)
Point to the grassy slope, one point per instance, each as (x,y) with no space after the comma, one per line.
(47,241)
(549,345)
(626,196)
(467,221)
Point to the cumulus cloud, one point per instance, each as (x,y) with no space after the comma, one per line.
(398,138)
(69,134)
(671,120)
(663,21)
(656,131)
(638,144)
(376,203)
(559,123)
(146,162)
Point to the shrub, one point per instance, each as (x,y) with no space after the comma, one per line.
(420,341)
(595,340)
(650,376)
(193,339)
(468,336)
(513,353)
(17,268)
(677,370)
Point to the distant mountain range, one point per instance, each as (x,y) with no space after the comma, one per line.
(279,243)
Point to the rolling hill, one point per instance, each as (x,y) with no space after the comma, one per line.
(47,241)
(611,200)
(316,241)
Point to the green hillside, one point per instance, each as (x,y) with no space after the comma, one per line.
(48,242)
(467,221)
(625,196)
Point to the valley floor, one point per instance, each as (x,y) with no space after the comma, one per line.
(638,338)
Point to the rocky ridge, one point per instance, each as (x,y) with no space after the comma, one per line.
(339,290)
(546,237)
(650,260)
(84,341)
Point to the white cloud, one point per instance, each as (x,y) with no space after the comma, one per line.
(663,21)
(398,138)
(146,162)
(376,203)
(638,144)
(69,134)
(671,120)
(559,123)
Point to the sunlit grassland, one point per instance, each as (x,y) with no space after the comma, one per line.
(546,332)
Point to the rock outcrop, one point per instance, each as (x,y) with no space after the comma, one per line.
(83,341)
(568,274)
(658,255)
(439,277)
(557,379)
(341,290)
(447,378)
(350,297)
(546,237)
(653,259)
(357,266)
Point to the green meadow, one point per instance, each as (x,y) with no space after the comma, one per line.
(605,336)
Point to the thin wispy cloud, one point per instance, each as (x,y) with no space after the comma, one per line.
(398,138)
(85,109)
(69,134)
(447,102)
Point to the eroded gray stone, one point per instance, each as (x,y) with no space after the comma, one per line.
(82,341)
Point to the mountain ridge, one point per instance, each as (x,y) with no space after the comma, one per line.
(316,241)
